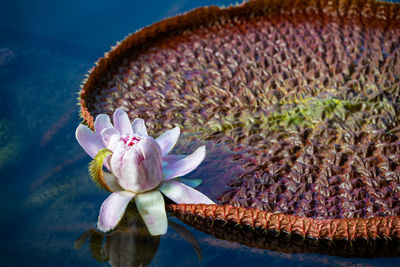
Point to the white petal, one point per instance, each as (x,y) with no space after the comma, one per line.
(139,127)
(150,150)
(181,193)
(142,166)
(102,122)
(113,141)
(152,208)
(168,139)
(133,177)
(186,165)
(169,159)
(152,163)
(190,182)
(107,134)
(121,122)
(116,160)
(112,182)
(88,140)
(112,210)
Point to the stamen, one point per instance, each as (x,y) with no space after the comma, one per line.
(125,138)
(130,140)
(134,141)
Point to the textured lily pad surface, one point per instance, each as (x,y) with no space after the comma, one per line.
(306,93)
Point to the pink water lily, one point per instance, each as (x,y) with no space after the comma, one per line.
(140,169)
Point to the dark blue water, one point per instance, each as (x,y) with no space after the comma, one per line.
(48,200)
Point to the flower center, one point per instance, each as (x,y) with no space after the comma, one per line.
(130,140)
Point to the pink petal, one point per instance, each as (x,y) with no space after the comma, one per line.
(151,207)
(133,177)
(139,127)
(150,150)
(106,135)
(112,182)
(152,164)
(180,193)
(116,160)
(102,122)
(142,166)
(113,140)
(186,165)
(169,159)
(88,140)
(121,122)
(112,210)
(193,183)
(168,139)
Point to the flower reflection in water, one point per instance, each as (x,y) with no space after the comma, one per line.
(130,244)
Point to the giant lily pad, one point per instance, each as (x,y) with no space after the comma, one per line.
(306,93)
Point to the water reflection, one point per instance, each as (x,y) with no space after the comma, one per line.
(289,244)
(131,243)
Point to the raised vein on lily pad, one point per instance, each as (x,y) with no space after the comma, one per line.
(140,168)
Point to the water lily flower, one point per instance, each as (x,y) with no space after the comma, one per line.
(141,169)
